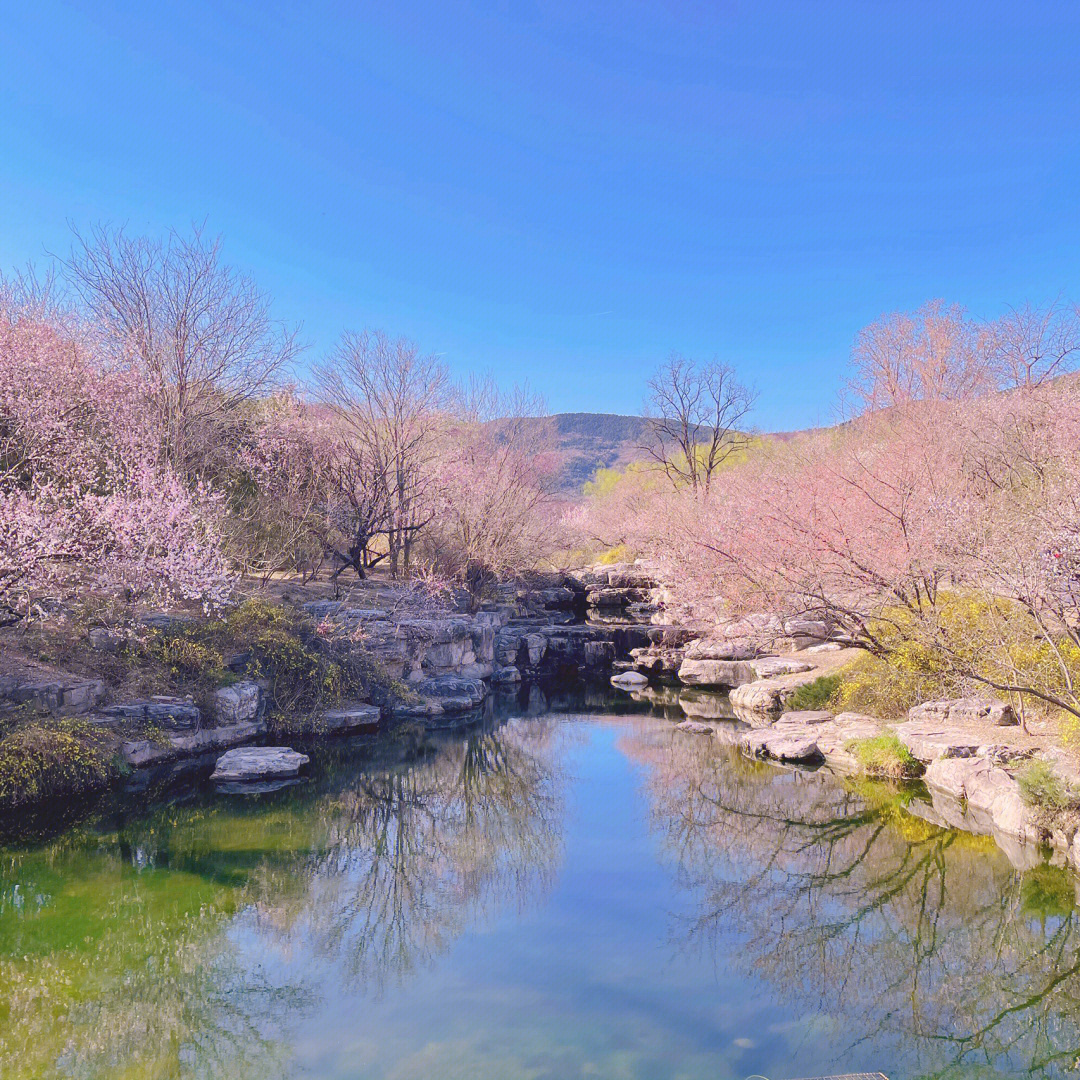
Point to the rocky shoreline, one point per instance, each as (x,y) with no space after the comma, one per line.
(732,681)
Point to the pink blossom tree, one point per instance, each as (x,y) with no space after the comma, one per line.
(84,500)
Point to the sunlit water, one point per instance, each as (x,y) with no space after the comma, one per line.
(563,896)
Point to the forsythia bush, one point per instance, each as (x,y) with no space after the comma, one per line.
(40,757)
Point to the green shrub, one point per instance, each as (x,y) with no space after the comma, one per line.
(299,677)
(254,616)
(52,759)
(885,756)
(1042,788)
(190,659)
(817,694)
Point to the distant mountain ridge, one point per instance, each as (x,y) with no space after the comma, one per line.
(585,442)
(588,441)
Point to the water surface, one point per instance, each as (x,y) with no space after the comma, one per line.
(573,895)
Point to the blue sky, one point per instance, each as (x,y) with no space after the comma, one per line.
(565,192)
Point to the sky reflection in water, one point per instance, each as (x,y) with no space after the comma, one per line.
(555,897)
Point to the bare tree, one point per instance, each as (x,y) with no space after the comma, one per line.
(201,330)
(389,400)
(1033,344)
(360,512)
(696,414)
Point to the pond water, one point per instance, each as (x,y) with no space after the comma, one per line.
(586,894)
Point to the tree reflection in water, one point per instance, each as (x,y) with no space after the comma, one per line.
(118,955)
(920,941)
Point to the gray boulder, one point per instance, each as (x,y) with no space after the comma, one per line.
(259,763)
(238,702)
(721,673)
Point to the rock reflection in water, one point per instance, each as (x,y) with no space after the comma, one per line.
(924,942)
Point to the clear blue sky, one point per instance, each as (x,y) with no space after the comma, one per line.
(565,192)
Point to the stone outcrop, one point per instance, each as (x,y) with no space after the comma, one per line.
(171,713)
(970,773)
(140,753)
(985,798)
(420,648)
(259,763)
(443,695)
(767,696)
(619,587)
(67,696)
(959,711)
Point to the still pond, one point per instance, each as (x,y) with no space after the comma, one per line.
(562,891)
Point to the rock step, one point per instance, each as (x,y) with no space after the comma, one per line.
(354,717)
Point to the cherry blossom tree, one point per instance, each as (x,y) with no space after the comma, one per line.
(934,354)
(494,512)
(279,478)
(84,499)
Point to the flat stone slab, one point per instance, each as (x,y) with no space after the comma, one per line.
(804,718)
(965,711)
(770,666)
(259,763)
(357,717)
(929,738)
(177,714)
